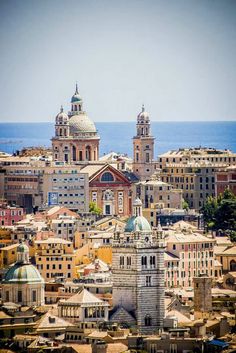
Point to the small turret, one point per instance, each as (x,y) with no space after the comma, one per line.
(23,253)
(76,102)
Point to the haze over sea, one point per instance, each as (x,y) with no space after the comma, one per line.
(117,136)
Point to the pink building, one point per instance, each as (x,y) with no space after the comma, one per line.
(188,254)
(10,215)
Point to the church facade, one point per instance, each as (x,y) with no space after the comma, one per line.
(76,138)
(138,274)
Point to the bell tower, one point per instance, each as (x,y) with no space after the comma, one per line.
(143,147)
(138,274)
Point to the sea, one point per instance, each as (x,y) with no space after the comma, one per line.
(117,136)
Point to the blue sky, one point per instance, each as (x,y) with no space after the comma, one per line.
(176,57)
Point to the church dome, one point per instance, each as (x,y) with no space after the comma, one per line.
(143,114)
(25,273)
(61,117)
(81,123)
(139,223)
(76,98)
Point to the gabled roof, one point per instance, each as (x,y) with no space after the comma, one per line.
(230,251)
(50,321)
(179,316)
(96,169)
(85,297)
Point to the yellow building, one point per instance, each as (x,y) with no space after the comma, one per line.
(55,258)
(8,255)
(227,258)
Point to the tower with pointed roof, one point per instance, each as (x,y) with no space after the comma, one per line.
(143,147)
(76,138)
(138,274)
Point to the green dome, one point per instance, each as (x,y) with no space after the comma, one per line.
(76,98)
(22,274)
(137,223)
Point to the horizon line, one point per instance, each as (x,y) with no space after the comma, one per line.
(124,121)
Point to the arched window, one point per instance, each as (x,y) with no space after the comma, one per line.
(128,261)
(232,265)
(107,176)
(152,261)
(144,261)
(88,153)
(74,153)
(148,320)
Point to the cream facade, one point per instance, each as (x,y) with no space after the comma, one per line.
(83,307)
(193,171)
(157,192)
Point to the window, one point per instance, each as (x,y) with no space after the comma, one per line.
(7,296)
(122,261)
(34,296)
(148,281)
(148,320)
(107,177)
(19,296)
(144,261)
(152,261)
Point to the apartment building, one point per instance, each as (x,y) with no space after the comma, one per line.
(36,184)
(66,186)
(55,259)
(65,227)
(188,254)
(193,171)
(10,215)
(157,192)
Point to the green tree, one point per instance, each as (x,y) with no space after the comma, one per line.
(185,205)
(219,213)
(93,208)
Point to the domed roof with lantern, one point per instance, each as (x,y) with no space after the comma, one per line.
(76,96)
(143,115)
(137,222)
(22,271)
(62,117)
